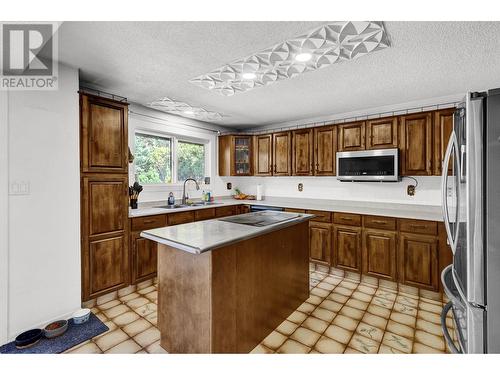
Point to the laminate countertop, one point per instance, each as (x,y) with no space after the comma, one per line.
(201,236)
(399,210)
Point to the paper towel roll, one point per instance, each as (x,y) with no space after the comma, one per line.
(260,189)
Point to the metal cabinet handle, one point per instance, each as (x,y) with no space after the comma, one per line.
(346,218)
(379,222)
(149,221)
(418,226)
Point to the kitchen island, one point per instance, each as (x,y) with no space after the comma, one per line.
(225,285)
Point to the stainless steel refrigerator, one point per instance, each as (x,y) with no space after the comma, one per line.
(471,210)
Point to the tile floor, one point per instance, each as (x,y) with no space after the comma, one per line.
(341,316)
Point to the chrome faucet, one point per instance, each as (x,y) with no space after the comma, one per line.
(184,197)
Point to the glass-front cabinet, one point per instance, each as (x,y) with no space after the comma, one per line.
(235,155)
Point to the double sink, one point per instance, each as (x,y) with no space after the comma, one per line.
(197,204)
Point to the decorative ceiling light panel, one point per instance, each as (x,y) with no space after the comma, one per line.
(184,109)
(324,46)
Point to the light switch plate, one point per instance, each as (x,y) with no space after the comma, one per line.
(19,188)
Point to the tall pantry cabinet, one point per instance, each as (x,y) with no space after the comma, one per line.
(104,195)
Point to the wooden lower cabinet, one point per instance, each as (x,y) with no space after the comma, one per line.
(320,242)
(347,248)
(144,258)
(418,263)
(379,254)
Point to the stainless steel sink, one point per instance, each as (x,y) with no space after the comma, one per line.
(172,207)
(197,204)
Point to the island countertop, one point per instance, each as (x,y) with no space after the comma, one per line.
(201,236)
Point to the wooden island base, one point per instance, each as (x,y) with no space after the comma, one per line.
(229,299)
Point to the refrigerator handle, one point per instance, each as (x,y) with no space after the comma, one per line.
(452,143)
(446,333)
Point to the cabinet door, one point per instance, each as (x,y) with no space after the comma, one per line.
(443,126)
(263,153)
(242,156)
(347,248)
(325,147)
(225,142)
(416,144)
(379,254)
(226,211)
(351,137)
(320,242)
(144,258)
(302,152)
(104,142)
(382,133)
(418,261)
(281,154)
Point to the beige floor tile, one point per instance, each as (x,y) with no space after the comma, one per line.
(315,324)
(152,296)
(364,344)
(382,302)
(371,281)
(386,294)
(387,284)
(351,312)
(323,314)
(111,339)
(344,291)
(306,308)
(326,286)
(403,319)
(293,347)
(352,276)
(320,292)
(431,300)
(430,295)
(126,291)
(369,331)
(129,297)
(384,349)
(328,346)
(405,309)
(287,328)
(430,307)
(137,302)
(152,318)
(297,317)
(147,290)
(274,340)
(336,297)
(126,347)
(136,327)
(360,296)
(349,284)
(345,322)
(352,351)
(407,290)
(430,317)
(433,341)
(407,300)
(261,349)
(111,325)
(367,289)
(109,304)
(147,337)
(146,309)
(434,329)
(106,298)
(397,342)
(314,300)
(318,275)
(374,320)
(332,280)
(331,305)
(86,348)
(305,336)
(424,349)
(125,318)
(357,304)
(379,311)
(339,334)
(103,318)
(400,329)
(144,284)
(115,311)
(94,310)
(155,348)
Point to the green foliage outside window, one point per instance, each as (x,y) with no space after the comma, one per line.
(190,161)
(153,159)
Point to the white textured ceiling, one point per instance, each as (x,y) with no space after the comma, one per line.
(145,61)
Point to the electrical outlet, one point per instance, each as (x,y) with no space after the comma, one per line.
(300,186)
(410,190)
(19,188)
(229,186)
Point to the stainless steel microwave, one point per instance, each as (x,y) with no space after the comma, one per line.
(372,165)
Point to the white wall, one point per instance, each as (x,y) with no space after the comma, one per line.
(4,216)
(428,190)
(44,225)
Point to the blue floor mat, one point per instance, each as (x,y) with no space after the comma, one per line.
(76,334)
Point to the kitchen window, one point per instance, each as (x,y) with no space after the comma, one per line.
(161,159)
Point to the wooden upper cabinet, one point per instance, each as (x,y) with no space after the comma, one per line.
(351,137)
(347,248)
(281,154)
(263,155)
(320,242)
(103,138)
(302,152)
(235,155)
(416,144)
(382,133)
(379,254)
(443,127)
(325,147)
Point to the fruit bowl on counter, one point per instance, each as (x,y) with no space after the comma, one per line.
(240,196)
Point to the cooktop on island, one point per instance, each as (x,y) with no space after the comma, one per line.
(262,218)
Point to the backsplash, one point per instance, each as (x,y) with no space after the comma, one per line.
(428,191)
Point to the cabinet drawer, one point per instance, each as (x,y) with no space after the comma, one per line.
(346,219)
(226,211)
(379,222)
(323,216)
(148,222)
(180,217)
(418,226)
(205,214)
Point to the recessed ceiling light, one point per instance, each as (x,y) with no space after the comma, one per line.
(302,57)
(184,109)
(249,75)
(189,112)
